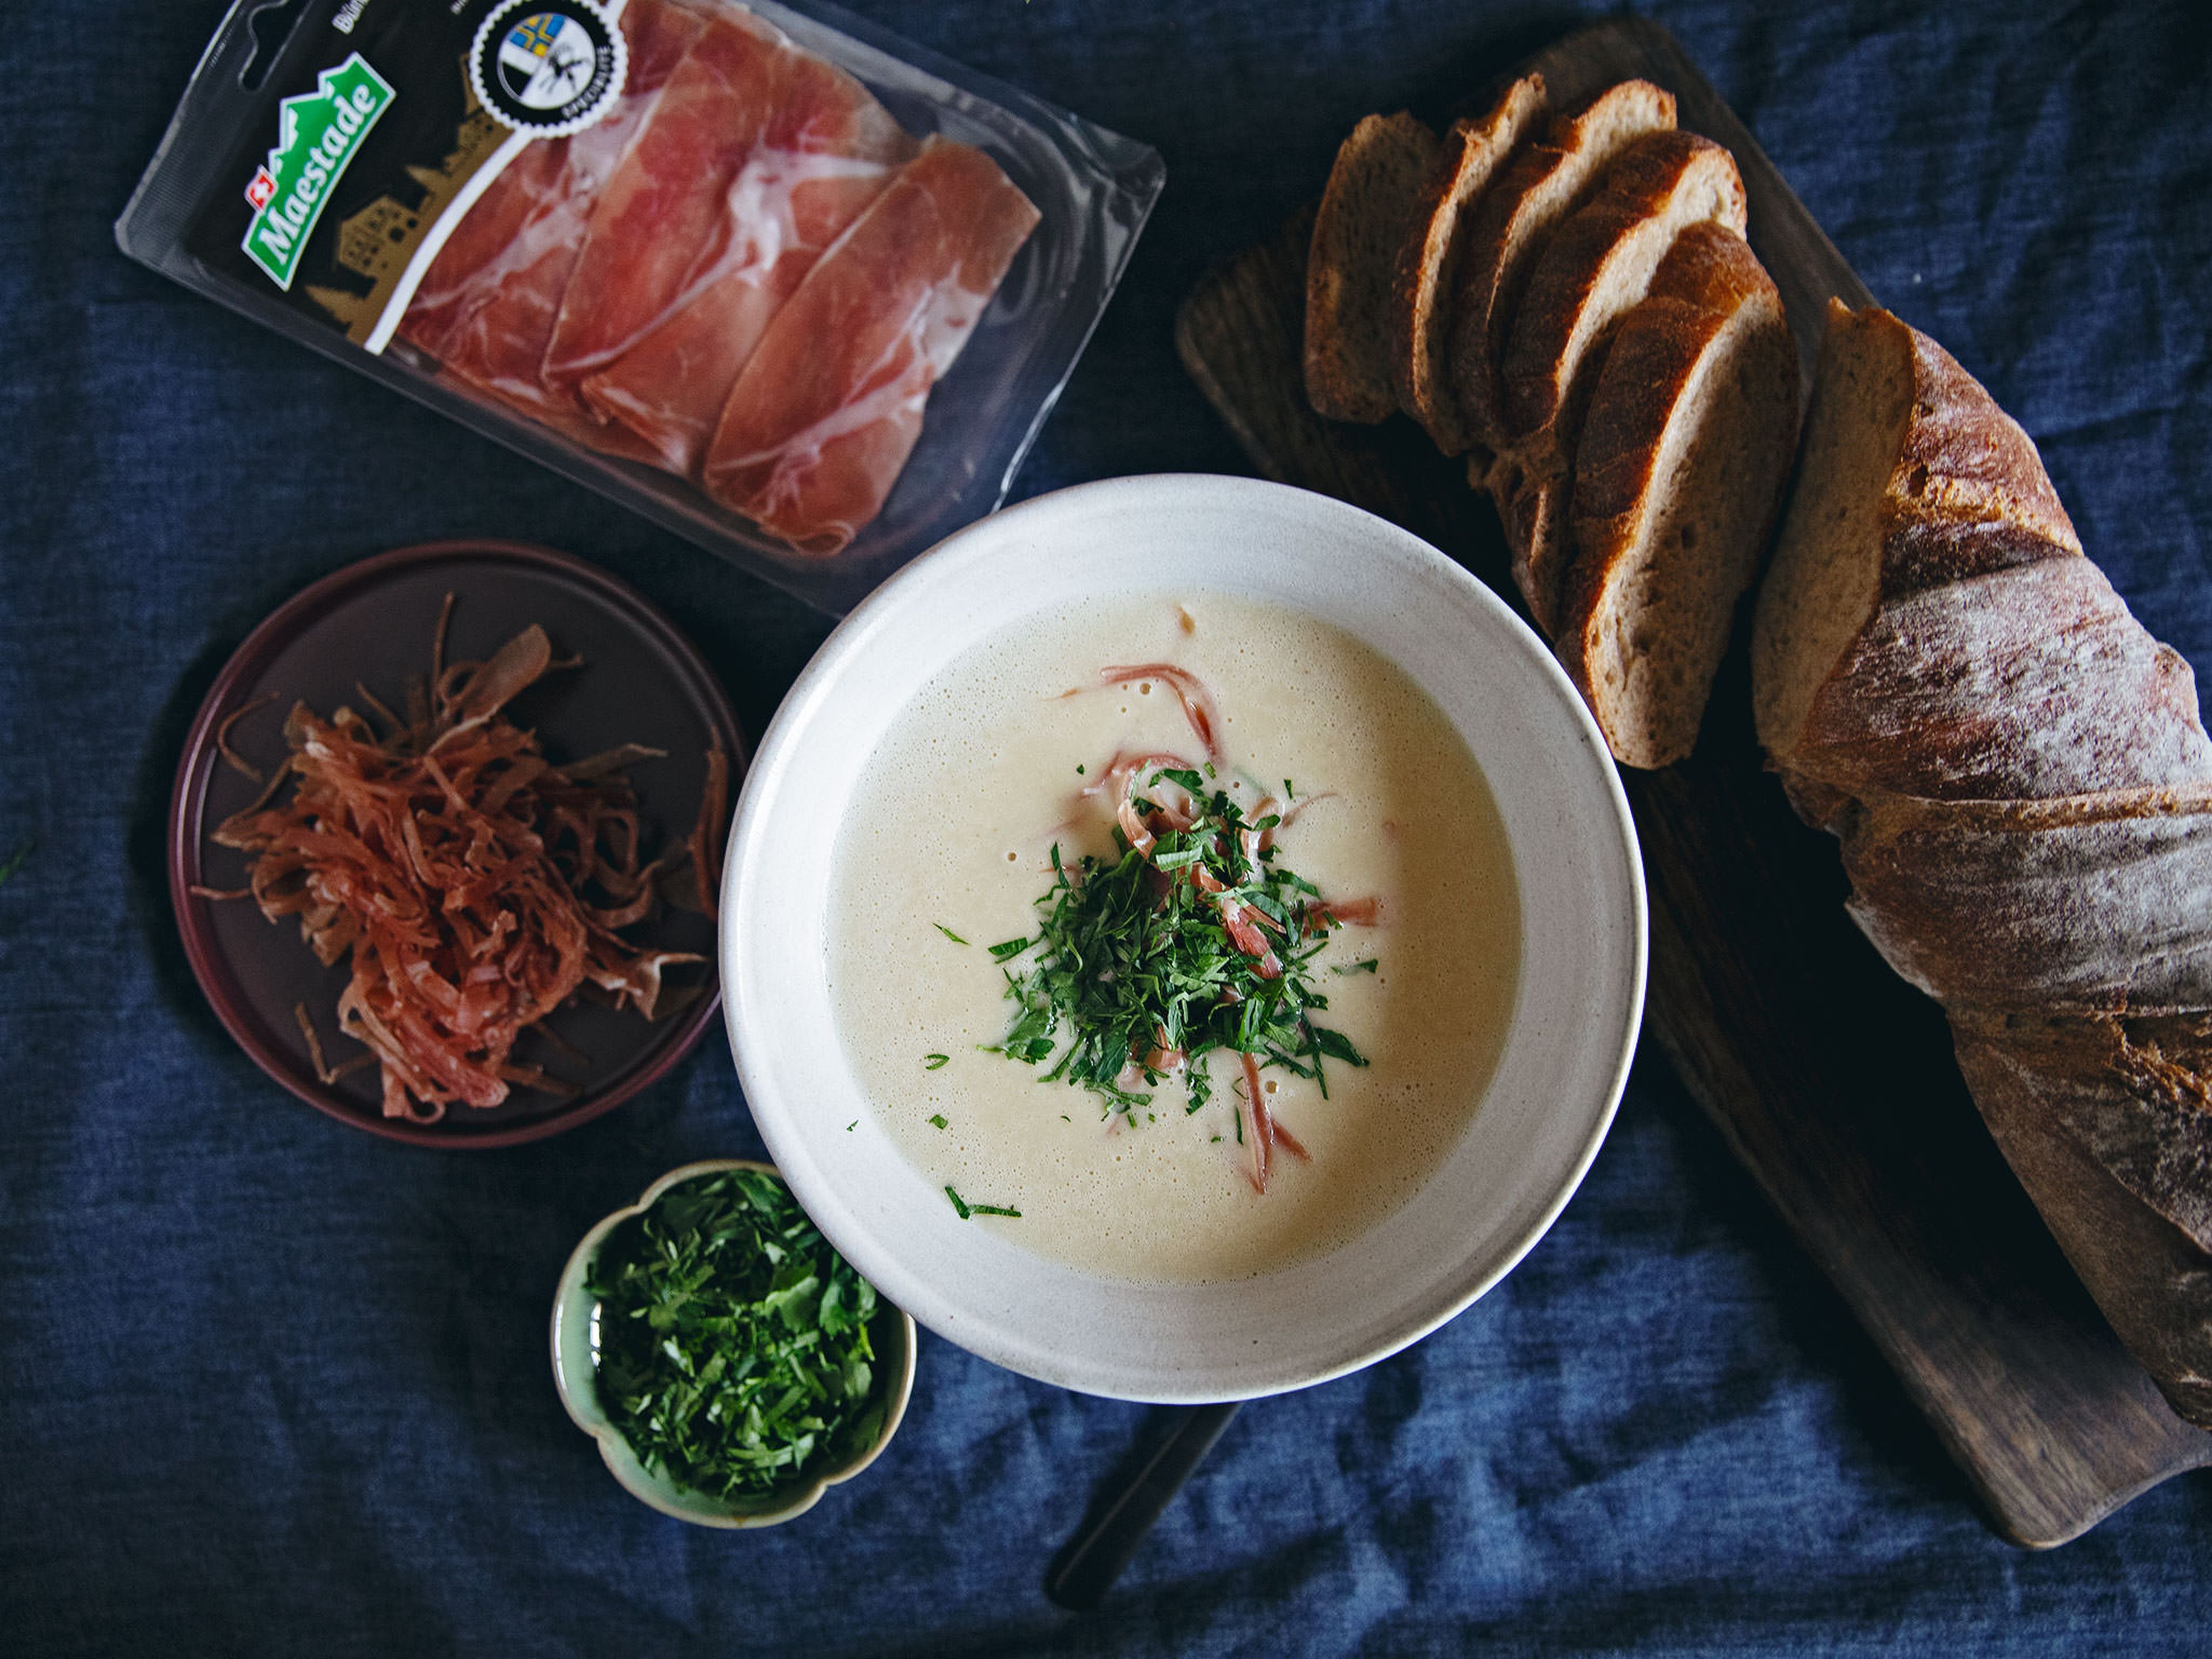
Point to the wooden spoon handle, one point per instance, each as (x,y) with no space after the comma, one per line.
(1082,1573)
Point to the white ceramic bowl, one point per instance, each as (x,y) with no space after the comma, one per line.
(1574,1022)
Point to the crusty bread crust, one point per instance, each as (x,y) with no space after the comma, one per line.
(2022,787)
(1548,180)
(1428,264)
(2111,1114)
(2005,688)
(1351,261)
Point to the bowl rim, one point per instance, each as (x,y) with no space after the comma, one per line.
(570,1290)
(982,541)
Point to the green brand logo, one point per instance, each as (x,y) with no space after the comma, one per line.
(317,133)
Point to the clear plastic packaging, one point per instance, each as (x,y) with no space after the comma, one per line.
(314,182)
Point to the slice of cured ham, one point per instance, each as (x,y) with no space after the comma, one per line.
(826,149)
(487,306)
(662,221)
(827,408)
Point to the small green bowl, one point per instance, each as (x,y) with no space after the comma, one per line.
(576,1320)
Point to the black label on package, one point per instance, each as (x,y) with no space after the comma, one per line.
(547,69)
(375,132)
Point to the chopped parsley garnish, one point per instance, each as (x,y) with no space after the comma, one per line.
(937,1121)
(734,1354)
(948,932)
(1364,966)
(1128,965)
(931,1062)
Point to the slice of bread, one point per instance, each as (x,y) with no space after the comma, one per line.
(1679,473)
(1428,264)
(1531,507)
(1597,266)
(1548,180)
(1380,172)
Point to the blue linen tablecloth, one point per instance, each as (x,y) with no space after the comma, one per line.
(268,1385)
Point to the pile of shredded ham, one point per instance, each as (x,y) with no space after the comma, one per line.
(476,885)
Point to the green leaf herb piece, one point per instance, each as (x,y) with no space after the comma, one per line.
(1364,966)
(1201,942)
(734,1353)
(1013,947)
(931,1062)
(1337,1046)
(937,1121)
(948,932)
(16,859)
(967,1209)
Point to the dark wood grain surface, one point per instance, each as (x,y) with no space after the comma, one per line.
(1831,1079)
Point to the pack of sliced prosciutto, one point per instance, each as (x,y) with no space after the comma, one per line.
(799,290)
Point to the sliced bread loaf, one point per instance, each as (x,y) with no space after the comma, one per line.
(2020,783)
(1380,172)
(1548,180)
(1679,474)
(1428,264)
(1597,266)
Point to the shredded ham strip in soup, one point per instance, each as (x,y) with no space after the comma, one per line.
(1198,705)
(1129,774)
(476,884)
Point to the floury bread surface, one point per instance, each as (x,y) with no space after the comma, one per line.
(978,780)
(2023,790)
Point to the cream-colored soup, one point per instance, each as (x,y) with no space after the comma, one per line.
(979,778)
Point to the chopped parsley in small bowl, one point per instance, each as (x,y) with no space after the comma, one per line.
(730,1363)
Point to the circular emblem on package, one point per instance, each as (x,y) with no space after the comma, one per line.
(547,68)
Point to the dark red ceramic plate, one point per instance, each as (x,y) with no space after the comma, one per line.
(371,622)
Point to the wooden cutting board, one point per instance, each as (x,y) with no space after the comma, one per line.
(1832,1079)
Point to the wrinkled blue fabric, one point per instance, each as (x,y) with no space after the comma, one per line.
(268,1385)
